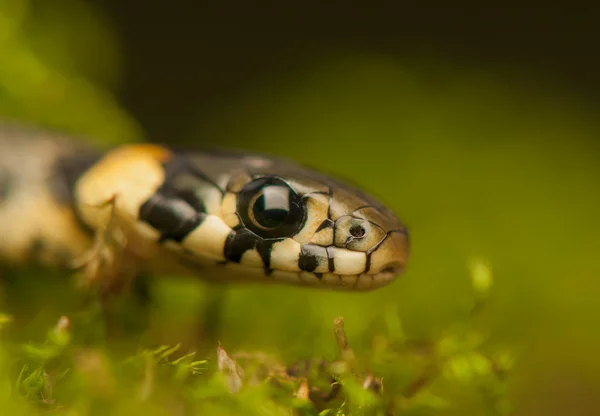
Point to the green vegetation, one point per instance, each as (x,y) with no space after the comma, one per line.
(69,375)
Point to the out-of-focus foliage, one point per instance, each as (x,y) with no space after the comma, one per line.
(395,375)
(57,58)
(479,165)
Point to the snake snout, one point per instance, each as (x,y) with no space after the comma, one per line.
(391,257)
(395,268)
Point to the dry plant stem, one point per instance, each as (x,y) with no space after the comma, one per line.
(147,385)
(342,341)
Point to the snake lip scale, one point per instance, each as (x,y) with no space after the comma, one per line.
(220,215)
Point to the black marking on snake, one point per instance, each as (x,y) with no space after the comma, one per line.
(6,181)
(325,224)
(334,229)
(264,248)
(238,242)
(242,240)
(330,254)
(171,215)
(228,242)
(367,262)
(309,257)
(319,275)
(174,212)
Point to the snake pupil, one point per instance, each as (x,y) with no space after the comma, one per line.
(272,208)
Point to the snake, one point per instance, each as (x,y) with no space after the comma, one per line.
(222,215)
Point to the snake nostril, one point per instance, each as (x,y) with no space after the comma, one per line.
(357,231)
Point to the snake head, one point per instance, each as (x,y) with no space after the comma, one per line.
(230,217)
(323,232)
(282,222)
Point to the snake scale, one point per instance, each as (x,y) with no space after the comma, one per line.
(225,216)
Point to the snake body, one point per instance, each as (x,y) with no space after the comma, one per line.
(220,215)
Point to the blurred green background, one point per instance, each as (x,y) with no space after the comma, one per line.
(477,125)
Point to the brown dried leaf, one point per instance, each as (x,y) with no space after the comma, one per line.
(303,390)
(231,370)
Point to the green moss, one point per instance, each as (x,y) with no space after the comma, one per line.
(70,373)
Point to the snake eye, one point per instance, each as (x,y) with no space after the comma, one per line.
(270,208)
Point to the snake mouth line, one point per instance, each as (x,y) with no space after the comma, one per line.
(357,282)
(244,274)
